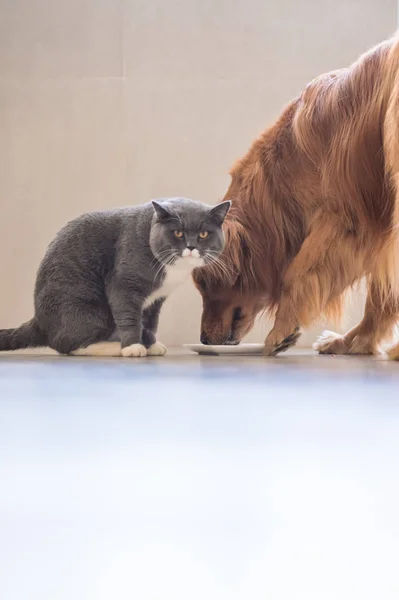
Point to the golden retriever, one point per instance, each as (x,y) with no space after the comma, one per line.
(315,208)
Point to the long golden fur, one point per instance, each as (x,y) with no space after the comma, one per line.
(315,209)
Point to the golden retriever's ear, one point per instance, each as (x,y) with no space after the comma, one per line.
(235,248)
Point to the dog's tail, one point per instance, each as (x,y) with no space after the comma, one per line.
(28,335)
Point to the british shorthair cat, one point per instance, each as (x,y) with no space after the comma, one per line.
(101,285)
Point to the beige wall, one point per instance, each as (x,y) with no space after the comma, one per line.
(112,102)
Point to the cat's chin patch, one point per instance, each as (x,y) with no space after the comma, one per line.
(191,260)
(135,350)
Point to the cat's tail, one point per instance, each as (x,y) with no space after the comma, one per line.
(27,335)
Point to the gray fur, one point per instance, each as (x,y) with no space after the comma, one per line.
(99,270)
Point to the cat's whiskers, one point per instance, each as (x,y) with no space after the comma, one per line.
(161,254)
(215,257)
(168,261)
(219,269)
(217,264)
(161,258)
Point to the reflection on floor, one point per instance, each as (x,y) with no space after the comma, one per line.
(191,478)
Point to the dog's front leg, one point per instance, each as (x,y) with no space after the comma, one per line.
(313,283)
(286,329)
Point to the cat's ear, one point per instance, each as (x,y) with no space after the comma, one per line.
(219,212)
(161,211)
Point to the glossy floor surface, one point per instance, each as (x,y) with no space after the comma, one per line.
(199,478)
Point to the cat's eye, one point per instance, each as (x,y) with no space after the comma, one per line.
(203,235)
(178,234)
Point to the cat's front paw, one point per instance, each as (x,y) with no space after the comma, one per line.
(157,349)
(136,350)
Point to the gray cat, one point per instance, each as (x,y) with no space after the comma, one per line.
(105,276)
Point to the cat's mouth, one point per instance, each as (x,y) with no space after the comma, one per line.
(172,259)
(191,253)
(192,257)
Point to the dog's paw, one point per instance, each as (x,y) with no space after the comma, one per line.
(157,349)
(275,343)
(330,342)
(135,350)
(333,343)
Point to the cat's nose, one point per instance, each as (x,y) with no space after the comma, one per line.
(190,248)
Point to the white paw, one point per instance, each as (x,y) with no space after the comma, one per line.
(157,349)
(330,342)
(134,350)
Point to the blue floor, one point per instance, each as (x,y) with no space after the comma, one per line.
(199,478)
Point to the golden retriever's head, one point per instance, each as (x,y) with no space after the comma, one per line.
(228,314)
(230,296)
